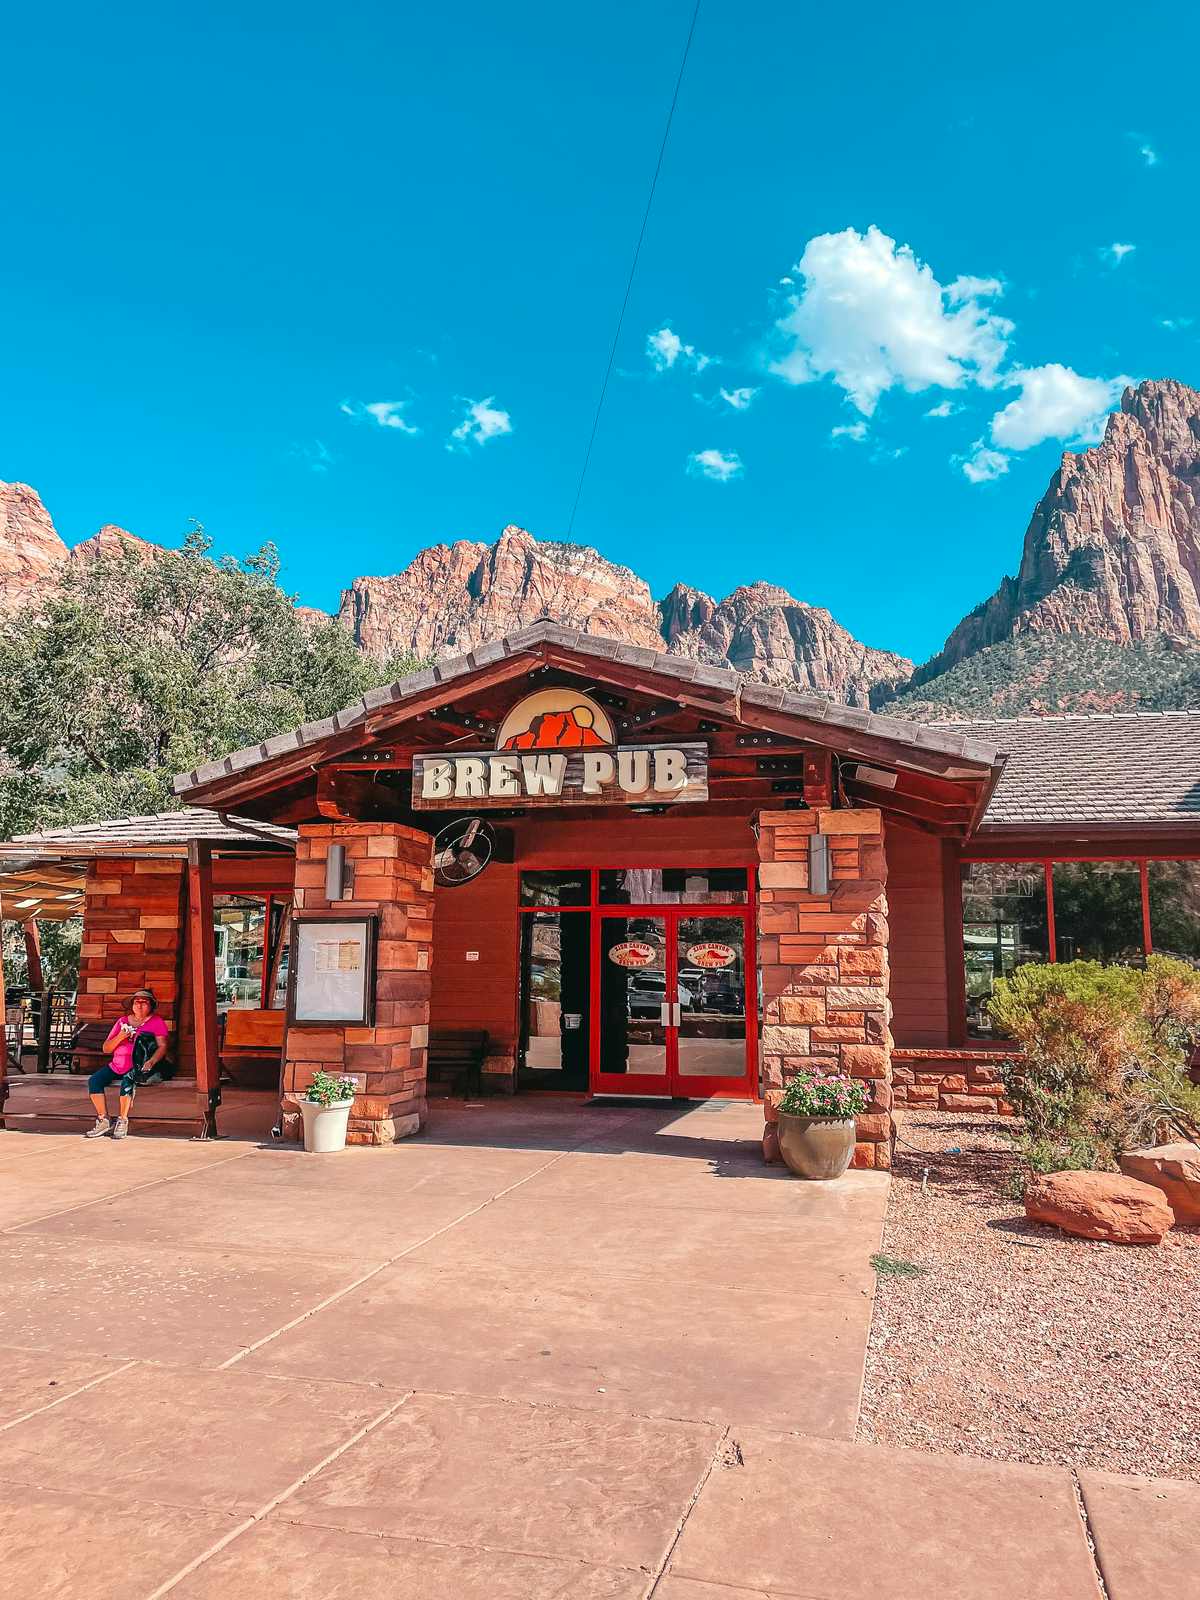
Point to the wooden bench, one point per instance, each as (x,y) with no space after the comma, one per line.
(55,1097)
(251,1047)
(456,1059)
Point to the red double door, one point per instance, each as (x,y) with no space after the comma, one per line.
(673,1001)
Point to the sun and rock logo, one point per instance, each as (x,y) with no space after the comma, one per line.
(556,719)
(558,745)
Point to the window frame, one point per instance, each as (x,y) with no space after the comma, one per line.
(268,898)
(1047,860)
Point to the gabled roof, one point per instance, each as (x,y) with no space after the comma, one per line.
(169,829)
(1136,769)
(845,727)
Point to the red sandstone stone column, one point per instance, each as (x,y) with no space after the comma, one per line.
(824,961)
(393,877)
(132,922)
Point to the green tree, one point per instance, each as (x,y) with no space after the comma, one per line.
(144,664)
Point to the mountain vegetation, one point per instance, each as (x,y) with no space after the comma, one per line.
(143,665)
(1054,674)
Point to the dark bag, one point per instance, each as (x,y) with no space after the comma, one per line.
(144,1047)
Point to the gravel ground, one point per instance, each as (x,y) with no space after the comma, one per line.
(1019,1342)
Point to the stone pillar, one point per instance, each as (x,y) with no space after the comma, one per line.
(132,921)
(824,961)
(393,878)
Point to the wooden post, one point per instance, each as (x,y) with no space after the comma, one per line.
(33,955)
(202,968)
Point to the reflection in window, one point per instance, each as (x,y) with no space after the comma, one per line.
(1004,926)
(1175,908)
(555,998)
(239,925)
(1097,911)
(659,886)
(555,888)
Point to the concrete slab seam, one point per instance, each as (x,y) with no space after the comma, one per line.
(92,1383)
(276,1500)
(332,1299)
(722,1446)
(151,1183)
(1088,1534)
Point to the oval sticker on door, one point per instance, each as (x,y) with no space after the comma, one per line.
(711,954)
(633,953)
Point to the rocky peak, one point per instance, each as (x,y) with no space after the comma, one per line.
(453,597)
(763,631)
(1113,548)
(31,552)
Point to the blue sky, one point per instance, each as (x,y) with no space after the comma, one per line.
(231,231)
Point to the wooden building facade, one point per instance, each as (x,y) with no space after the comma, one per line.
(632,874)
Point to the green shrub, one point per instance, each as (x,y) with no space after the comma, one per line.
(1104,1050)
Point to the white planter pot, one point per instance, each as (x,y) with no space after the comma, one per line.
(325,1126)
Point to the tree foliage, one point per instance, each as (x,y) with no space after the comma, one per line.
(1103,1055)
(143,664)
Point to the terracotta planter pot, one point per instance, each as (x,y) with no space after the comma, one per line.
(816,1147)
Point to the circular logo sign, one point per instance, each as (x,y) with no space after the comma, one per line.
(634,953)
(711,954)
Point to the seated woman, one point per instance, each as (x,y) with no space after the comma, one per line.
(140,1021)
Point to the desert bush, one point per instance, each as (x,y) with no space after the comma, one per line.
(1104,1051)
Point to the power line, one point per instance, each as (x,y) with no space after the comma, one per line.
(633,266)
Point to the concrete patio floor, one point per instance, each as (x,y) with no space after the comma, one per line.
(546,1349)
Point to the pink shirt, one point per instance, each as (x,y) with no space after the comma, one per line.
(122,1056)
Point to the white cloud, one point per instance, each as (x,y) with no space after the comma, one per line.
(719,465)
(1116,253)
(483,421)
(1055,403)
(665,348)
(387,413)
(850,430)
(872,317)
(1175,324)
(983,465)
(739,399)
(1148,154)
(315,456)
(944,408)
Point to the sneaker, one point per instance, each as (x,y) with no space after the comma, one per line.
(101,1128)
(120,1127)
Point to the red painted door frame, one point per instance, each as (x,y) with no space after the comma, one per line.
(671,1083)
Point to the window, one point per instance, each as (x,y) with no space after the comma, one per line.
(240,925)
(251,968)
(666,886)
(1110,911)
(1175,908)
(1004,926)
(1098,911)
(556,888)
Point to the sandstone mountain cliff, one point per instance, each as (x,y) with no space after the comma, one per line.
(1103,614)
(1113,548)
(454,597)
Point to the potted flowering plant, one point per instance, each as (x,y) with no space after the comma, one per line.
(325,1107)
(816,1123)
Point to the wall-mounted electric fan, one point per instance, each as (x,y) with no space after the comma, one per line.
(461,851)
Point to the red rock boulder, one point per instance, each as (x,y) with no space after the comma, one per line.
(1173,1168)
(1099,1205)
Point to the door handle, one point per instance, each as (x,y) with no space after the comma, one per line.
(664,1014)
(676,1009)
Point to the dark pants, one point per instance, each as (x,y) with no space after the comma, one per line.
(103,1076)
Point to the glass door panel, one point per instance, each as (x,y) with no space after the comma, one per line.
(633,1022)
(711,963)
(555,994)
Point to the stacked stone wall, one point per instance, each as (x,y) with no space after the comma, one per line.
(824,961)
(951,1080)
(393,879)
(133,912)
